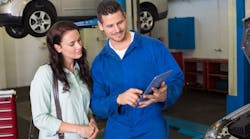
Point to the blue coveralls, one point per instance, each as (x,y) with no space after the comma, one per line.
(145,58)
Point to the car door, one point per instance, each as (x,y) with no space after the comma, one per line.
(79,7)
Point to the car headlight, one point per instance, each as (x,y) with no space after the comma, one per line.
(212,132)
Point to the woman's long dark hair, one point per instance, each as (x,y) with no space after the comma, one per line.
(54,36)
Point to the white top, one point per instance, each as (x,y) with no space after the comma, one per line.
(121,53)
(74,103)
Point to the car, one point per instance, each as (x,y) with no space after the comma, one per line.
(235,125)
(35,17)
(246,39)
(151,11)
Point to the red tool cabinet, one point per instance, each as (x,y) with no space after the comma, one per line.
(8,120)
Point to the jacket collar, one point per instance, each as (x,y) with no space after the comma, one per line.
(135,43)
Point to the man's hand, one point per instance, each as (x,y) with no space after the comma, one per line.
(159,95)
(130,97)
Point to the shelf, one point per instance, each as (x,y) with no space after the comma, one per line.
(194,85)
(196,88)
(194,72)
(218,90)
(206,74)
(217,75)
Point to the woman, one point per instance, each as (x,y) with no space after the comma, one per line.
(70,68)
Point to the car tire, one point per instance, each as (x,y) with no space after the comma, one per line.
(38,19)
(16,31)
(147,19)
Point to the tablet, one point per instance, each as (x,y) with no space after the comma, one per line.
(156,82)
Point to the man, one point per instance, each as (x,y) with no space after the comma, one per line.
(122,70)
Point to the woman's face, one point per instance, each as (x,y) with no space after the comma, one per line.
(71,45)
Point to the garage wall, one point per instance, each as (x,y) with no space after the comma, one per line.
(93,41)
(22,58)
(211,26)
(247,8)
(2,63)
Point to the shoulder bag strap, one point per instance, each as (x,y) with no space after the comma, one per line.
(57,103)
(31,129)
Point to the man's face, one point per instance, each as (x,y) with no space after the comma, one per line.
(115,26)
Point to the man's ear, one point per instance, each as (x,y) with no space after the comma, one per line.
(58,48)
(124,14)
(100,26)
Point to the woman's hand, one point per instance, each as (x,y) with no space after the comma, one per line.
(86,131)
(93,124)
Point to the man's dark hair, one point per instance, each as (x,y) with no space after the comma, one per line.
(108,7)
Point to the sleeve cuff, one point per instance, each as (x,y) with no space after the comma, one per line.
(116,106)
(55,127)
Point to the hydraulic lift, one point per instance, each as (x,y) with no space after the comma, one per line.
(93,22)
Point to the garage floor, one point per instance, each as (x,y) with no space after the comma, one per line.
(193,108)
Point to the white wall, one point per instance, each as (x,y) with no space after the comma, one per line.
(22,58)
(247,7)
(232,48)
(160,30)
(211,26)
(93,40)
(2,62)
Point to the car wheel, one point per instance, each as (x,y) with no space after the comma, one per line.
(16,31)
(38,19)
(147,19)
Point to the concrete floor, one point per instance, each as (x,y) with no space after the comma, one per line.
(199,107)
